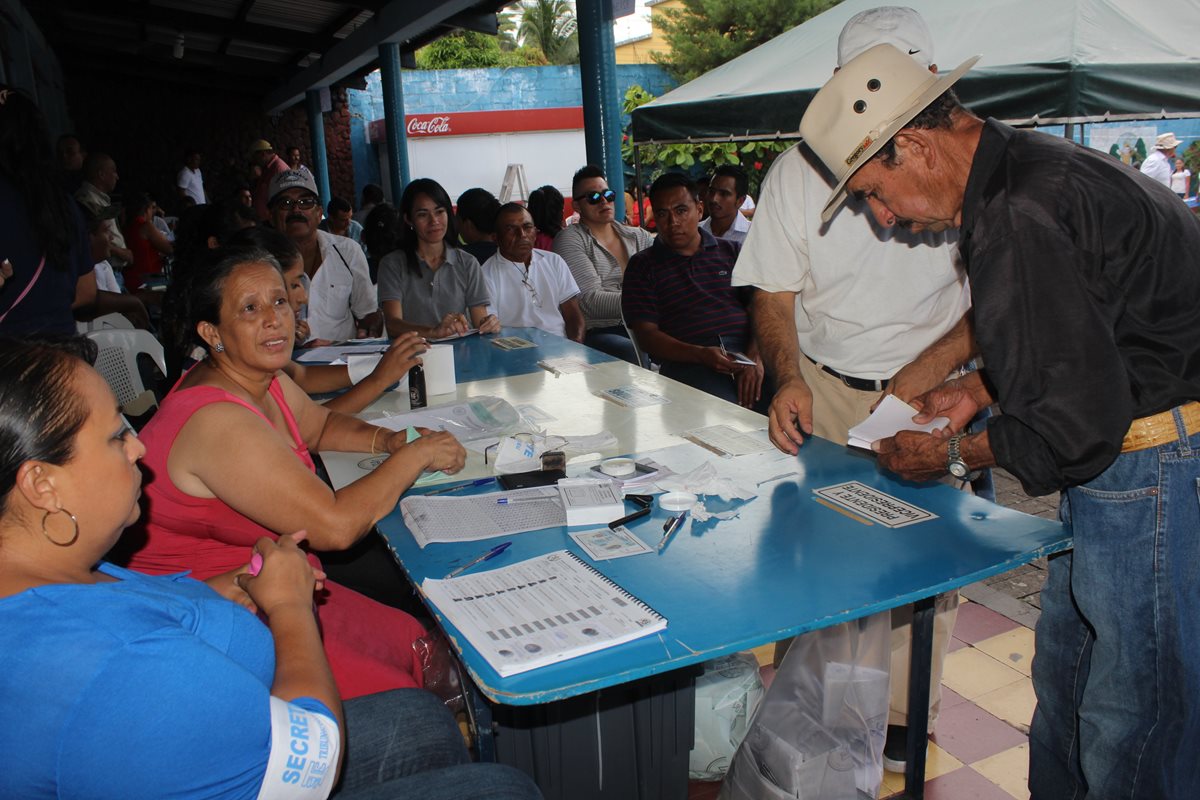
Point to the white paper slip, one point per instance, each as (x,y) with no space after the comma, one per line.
(335,352)
(890,416)
(874,505)
(632,396)
(477,418)
(454,336)
(512,343)
(605,543)
(482,516)
(566,365)
(541,611)
(726,441)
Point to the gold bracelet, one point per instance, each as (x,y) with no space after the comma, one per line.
(373,437)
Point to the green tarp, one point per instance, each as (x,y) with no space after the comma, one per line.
(1043,61)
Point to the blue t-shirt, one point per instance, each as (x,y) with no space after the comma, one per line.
(148,687)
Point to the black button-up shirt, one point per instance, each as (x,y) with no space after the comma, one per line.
(1086,282)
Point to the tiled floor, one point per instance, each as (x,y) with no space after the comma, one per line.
(980,750)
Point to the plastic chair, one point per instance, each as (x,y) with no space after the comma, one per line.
(643,359)
(113,321)
(117,362)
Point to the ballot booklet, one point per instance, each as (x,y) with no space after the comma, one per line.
(541,611)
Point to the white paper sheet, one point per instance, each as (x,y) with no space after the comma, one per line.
(727,441)
(890,416)
(480,516)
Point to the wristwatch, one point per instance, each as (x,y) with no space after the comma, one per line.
(954,462)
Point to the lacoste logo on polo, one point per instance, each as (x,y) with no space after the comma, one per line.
(858,151)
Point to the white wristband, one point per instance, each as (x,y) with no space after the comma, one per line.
(304,754)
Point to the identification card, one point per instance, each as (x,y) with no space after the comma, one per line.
(604,544)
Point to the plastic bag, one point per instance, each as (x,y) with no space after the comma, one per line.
(727,695)
(439,668)
(819,731)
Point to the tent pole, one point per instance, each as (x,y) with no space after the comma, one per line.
(637,193)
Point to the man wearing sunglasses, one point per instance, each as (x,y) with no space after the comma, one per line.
(341,301)
(597,249)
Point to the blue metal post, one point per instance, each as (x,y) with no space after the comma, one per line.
(601,100)
(316,130)
(393,117)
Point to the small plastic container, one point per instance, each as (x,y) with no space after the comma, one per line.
(676,501)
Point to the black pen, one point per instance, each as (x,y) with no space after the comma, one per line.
(641,512)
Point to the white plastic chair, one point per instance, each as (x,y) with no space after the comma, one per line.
(113,321)
(643,360)
(117,362)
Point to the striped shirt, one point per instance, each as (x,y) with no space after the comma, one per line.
(689,298)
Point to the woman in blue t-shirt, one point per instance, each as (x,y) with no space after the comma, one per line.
(122,685)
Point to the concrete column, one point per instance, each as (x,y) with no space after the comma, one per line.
(601,100)
(316,129)
(393,117)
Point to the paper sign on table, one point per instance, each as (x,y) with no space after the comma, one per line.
(512,343)
(566,365)
(632,397)
(874,505)
(890,416)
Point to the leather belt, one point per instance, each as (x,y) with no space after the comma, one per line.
(861,384)
(1157,429)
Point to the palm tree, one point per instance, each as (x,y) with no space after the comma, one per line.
(551,26)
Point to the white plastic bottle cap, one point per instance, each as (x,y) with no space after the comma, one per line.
(676,501)
(618,467)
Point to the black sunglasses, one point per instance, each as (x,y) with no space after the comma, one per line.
(596,198)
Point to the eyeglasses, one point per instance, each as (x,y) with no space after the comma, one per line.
(596,198)
(302,203)
(537,301)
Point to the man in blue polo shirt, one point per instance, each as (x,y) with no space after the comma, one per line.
(678,300)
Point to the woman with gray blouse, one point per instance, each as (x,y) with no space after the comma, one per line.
(430,285)
(597,249)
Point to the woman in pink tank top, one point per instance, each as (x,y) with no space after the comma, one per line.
(228,462)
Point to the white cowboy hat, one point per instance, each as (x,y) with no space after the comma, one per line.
(1167,141)
(864,105)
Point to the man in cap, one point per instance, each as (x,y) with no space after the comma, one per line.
(1090,332)
(1159,164)
(268,164)
(843,314)
(341,299)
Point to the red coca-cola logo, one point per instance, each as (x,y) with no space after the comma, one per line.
(429,126)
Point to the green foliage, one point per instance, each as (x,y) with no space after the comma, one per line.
(705,34)
(473,50)
(700,158)
(550,25)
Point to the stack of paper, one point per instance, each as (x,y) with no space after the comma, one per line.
(890,416)
(589,501)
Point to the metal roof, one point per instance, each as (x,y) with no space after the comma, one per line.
(272,49)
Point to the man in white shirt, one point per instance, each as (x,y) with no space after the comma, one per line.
(530,288)
(190,182)
(726,193)
(341,300)
(1160,164)
(845,313)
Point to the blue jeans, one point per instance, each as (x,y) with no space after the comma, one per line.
(612,340)
(404,743)
(1117,664)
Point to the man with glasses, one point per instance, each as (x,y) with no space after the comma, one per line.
(341,299)
(597,249)
(681,305)
(530,288)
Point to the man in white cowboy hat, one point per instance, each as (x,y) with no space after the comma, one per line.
(1159,164)
(1090,332)
(842,314)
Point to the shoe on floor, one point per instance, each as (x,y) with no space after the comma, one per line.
(895,745)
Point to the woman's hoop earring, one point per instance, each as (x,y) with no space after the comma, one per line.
(74,524)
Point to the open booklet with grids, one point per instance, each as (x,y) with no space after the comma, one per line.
(541,611)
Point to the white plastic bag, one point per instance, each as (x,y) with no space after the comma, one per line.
(727,695)
(819,731)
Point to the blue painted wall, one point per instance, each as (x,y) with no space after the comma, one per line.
(495,89)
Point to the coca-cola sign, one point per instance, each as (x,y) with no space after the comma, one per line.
(429,126)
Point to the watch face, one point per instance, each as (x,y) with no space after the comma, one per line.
(959,469)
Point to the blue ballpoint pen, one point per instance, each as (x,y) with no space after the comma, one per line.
(495,551)
(467,485)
